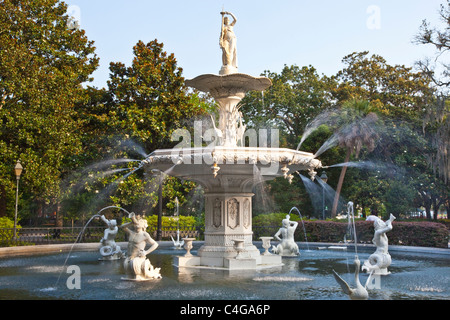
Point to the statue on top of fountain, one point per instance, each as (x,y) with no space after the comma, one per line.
(287,245)
(137,266)
(109,249)
(380,259)
(227,43)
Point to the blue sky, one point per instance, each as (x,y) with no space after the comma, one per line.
(270,33)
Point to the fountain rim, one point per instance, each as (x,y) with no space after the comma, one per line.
(289,156)
(274,162)
(208,82)
(45,249)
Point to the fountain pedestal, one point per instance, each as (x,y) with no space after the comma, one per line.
(228,217)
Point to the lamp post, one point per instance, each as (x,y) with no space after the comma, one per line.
(324,178)
(159,173)
(18,170)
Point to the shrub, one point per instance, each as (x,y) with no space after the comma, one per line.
(272,219)
(7,223)
(424,234)
(421,234)
(7,231)
(185,221)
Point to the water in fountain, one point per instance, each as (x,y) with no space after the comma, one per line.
(330,143)
(314,191)
(177,244)
(303,224)
(321,119)
(329,192)
(320,194)
(93,172)
(365,124)
(131,145)
(351,227)
(369,165)
(262,201)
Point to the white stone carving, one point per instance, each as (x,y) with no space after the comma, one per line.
(287,245)
(266,245)
(137,266)
(188,246)
(233,213)
(217,213)
(109,250)
(227,169)
(247,214)
(358,293)
(380,260)
(227,43)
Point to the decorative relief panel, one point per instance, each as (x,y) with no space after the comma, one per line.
(217,213)
(247,214)
(233,213)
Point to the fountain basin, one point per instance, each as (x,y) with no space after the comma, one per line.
(416,274)
(229,85)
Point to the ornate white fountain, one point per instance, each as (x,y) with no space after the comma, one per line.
(227,169)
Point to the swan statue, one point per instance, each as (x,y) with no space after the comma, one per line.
(218,133)
(360,292)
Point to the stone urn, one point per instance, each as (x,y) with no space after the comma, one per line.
(188,246)
(239,247)
(266,245)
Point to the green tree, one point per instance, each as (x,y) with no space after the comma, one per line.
(296,97)
(435,117)
(358,120)
(42,66)
(440,39)
(396,90)
(149,98)
(136,114)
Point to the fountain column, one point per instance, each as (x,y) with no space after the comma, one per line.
(228,216)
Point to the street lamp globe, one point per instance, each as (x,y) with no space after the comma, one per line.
(324,177)
(18,169)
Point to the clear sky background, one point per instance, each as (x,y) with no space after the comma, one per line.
(270,33)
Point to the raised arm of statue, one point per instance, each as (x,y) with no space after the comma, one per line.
(125,227)
(104,220)
(383,227)
(233,16)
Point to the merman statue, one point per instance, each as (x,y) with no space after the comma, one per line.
(287,245)
(109,249)
(380,260)
(137,266)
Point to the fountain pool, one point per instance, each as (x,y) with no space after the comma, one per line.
(308,276)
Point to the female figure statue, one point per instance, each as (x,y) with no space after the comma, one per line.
(227,43)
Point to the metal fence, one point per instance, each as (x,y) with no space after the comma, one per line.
(52,235)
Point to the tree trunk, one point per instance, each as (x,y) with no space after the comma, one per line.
(427,205)
(339,185)
(59,216)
